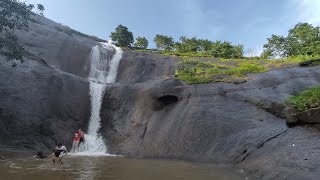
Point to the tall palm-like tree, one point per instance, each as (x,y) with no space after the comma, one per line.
(40,8)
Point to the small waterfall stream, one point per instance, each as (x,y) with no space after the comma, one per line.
(103,71)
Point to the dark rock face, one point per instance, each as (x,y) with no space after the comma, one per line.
(44,99)
(150,114)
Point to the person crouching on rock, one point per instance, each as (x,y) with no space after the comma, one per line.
(76,141)
(81,133)
(59,152)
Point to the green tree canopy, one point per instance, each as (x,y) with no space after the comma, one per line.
(141,42)
(303,39)
(13,15)
(188,45)
(163,42)
(122,36)
(217,49)
(226,50)
(205,45)
(276,47)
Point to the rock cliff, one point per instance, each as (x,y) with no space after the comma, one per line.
(148,113)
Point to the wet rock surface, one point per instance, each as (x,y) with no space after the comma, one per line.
(44,99)
(241,124)
(148,113)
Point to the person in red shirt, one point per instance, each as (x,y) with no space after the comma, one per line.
(76,140)
(81,136)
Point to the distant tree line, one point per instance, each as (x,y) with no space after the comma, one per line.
(303,39)
(220,49)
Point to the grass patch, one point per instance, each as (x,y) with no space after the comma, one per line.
(307,99)
(192,70)
(201,67)
(147,50)
(187,54)
(196,63)
(206,72)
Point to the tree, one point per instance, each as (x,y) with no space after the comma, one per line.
(205,45)
(122,36)
(13,15)
(141,42)
(276,47)
(226,50)
(163,42)
(237,51)
(188,45)
(303,39)
(40,8)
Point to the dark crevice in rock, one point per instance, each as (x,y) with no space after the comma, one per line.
(144,132)
(164,101)
(244,157)
(275,136)
(247,151)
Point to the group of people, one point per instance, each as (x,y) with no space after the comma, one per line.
(61,150)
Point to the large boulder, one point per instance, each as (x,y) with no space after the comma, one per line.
(150,114)
(309,116)
(44,99)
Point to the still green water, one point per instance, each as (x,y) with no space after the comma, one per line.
(113,168)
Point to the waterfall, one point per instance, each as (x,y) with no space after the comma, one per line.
(103,71)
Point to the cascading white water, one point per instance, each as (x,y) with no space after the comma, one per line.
(103,71)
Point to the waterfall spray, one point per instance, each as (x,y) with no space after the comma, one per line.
(103,71)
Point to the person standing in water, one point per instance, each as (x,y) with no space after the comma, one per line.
(76,141)
(81,133)
(59,152)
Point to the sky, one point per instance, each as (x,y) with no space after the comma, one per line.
(247,22)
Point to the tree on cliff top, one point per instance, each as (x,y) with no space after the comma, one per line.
(13,15)
(303,39)
(40,8)
(141,42)
(122,36)
(163,42)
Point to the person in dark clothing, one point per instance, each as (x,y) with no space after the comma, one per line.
(40,155)
(58,153)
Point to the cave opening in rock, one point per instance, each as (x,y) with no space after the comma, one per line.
(167,99)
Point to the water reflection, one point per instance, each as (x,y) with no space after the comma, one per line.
(87,169)
(113,168)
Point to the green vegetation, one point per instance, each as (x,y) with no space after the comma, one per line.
(192,69)
(198,47)
(307,99)
(195,71)
(303,39)
(141,42)
(13,15)
(163,42)
(122,36)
